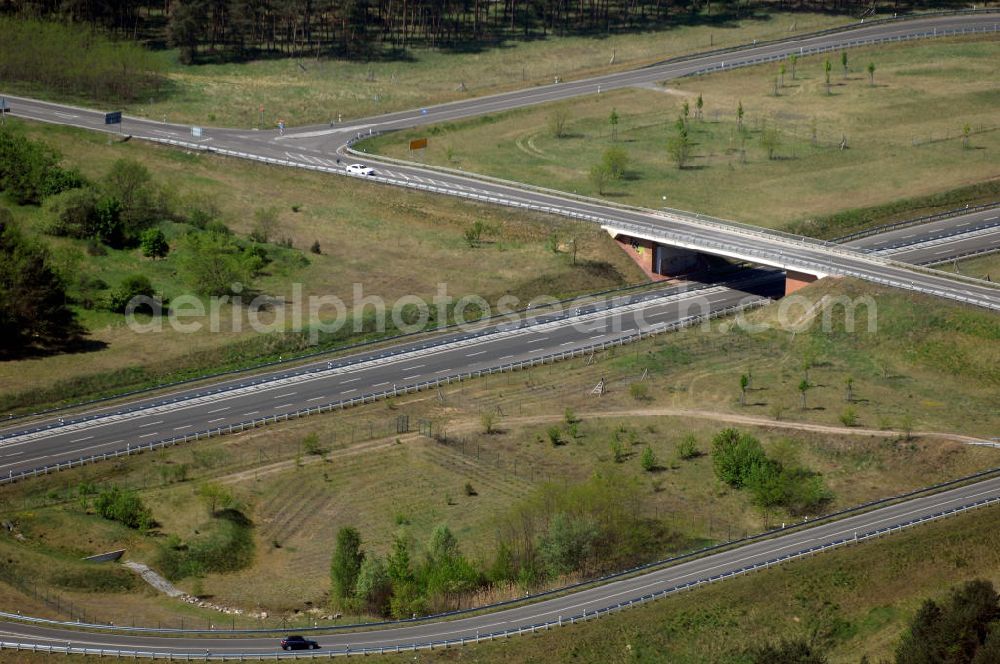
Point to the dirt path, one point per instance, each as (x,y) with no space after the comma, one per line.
(470,425)
(781,424)
(736,419)
(278,466)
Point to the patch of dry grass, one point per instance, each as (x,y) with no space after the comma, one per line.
(384,241)
(903,136)
(327,90)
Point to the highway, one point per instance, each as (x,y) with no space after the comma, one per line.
(321,148)
(285,392)
(568,607)
(881,259)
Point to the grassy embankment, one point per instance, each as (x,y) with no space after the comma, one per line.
(932,375)
(311,91)
(368,236)
(853,602)
(981,267)
(904,152)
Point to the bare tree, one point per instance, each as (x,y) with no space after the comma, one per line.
(557,122)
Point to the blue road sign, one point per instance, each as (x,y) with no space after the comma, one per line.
(113,118)
(4,108)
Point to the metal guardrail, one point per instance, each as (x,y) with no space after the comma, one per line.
(916,221)
(958,257)
(319,354)
(372,397)
(638,569)
(771,256)
(561,621)
(931,241)
(540,322)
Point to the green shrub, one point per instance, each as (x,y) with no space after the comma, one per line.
(648,460)
(97,578)
(688,447)
(125,507)
(132,286)
(225,545)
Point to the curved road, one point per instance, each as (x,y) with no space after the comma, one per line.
(321,383)
(565,608)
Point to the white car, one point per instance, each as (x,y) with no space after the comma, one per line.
(360,169)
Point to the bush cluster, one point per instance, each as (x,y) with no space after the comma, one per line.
(125,507)
(740,461)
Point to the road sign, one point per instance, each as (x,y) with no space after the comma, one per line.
(4,108)
(196,132)
(113,118)
(418,144)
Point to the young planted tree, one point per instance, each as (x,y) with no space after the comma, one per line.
(489,421)
(739,115)
(648,460)
(871,73)
(699,105)
(843,61)
(849,391)
(599,178)
(557,122)
(827,68)
(966,131)
(685,110)
(744,384)
(154,244)
(804,387)
(793,60)
(770,140)
(615,160)
(688,447)
(679,145)
(781,74)
(613,121)
(215,496)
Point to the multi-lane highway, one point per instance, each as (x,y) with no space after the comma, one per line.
(324,383)
(286,392)
(147,420)
(321,149)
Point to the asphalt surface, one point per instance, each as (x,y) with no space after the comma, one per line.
(569,606)
(321,148)
(152,419)
(245,400)
(248,399)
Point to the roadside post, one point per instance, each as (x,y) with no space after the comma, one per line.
(4,110)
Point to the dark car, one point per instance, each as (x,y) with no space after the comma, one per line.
(297,643)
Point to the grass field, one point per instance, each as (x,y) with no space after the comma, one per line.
(368,235)
(936,378)
(310,91)
(930,90)
(981,267)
